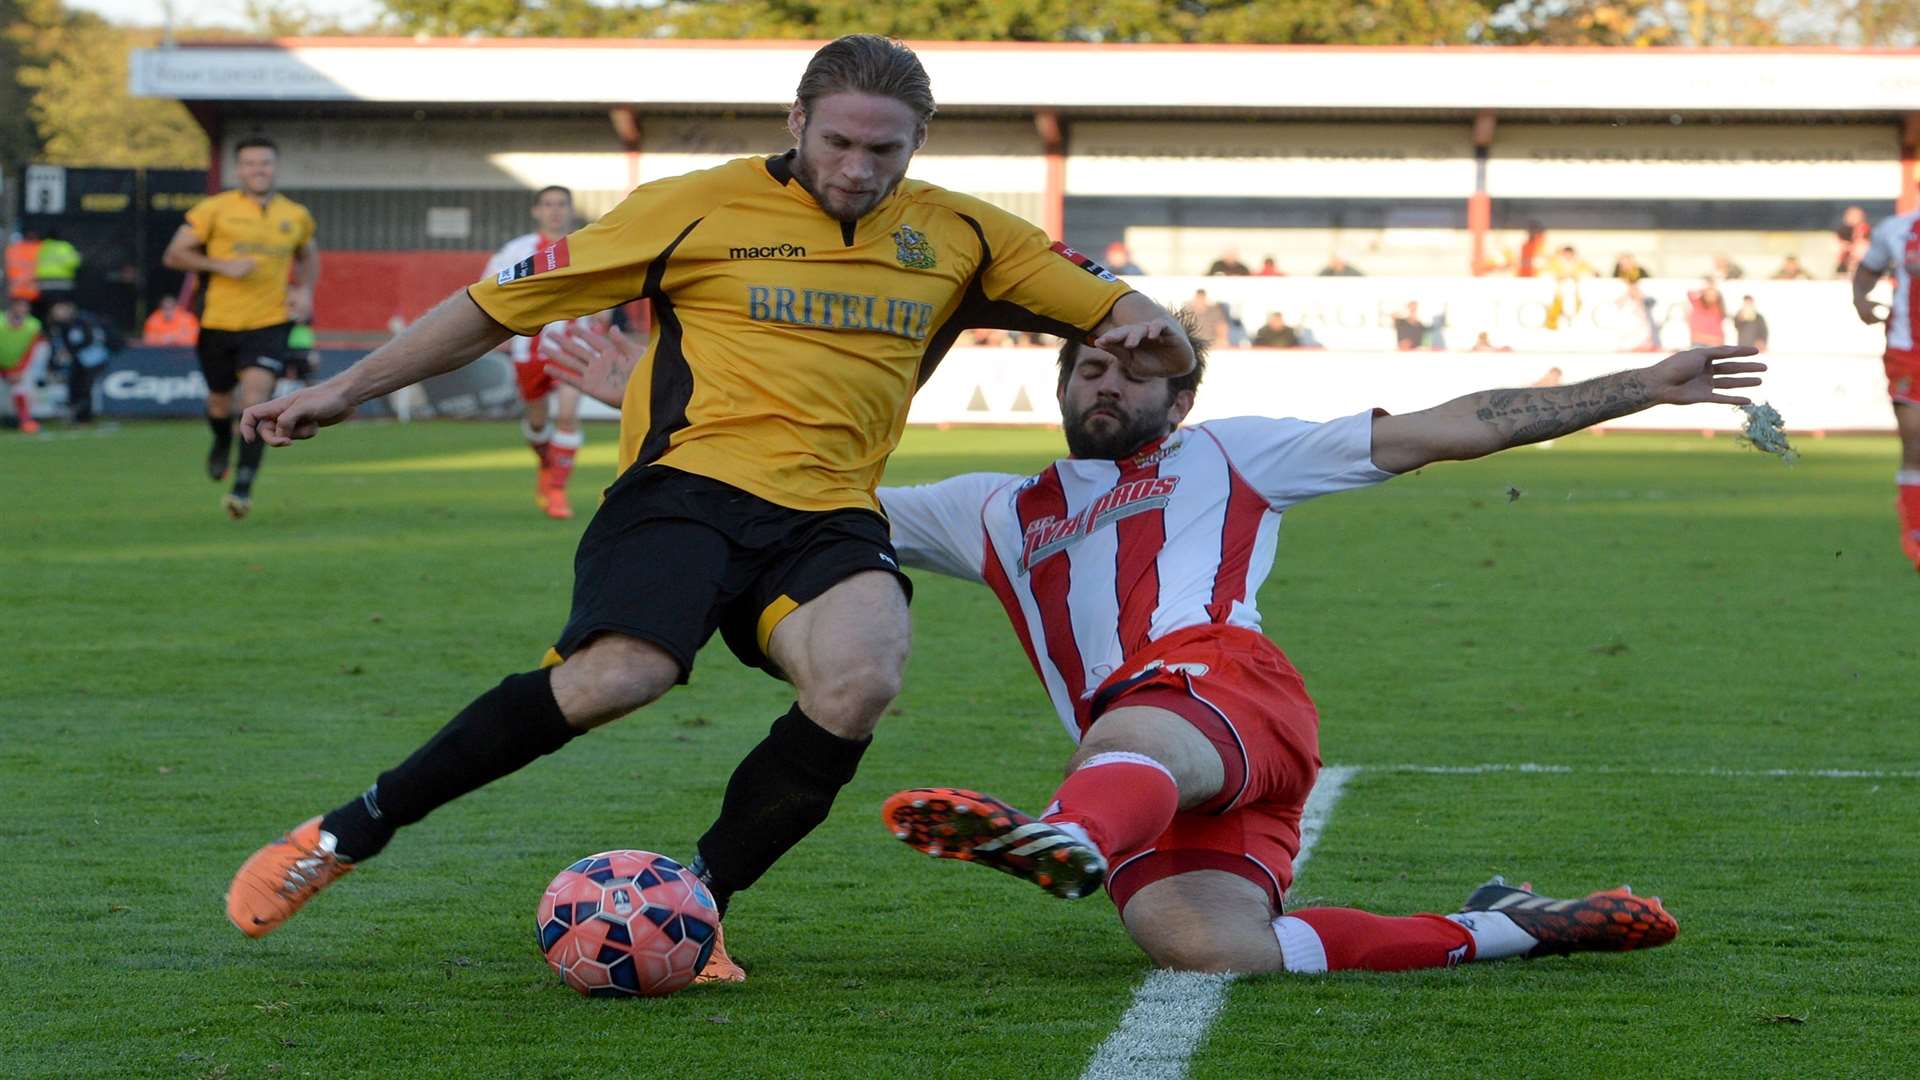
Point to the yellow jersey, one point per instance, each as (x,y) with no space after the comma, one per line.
(786,345)
(233,225)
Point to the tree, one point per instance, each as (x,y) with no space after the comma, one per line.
(19,141)
(1179,21)
(73,71)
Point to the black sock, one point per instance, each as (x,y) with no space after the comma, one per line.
(251,451)
(222,436)
(780,792)
(504,729)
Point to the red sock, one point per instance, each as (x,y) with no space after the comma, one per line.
(21,407)
(538,440)
(1910,514)
(1122,800)
(1342,939)
(560,451)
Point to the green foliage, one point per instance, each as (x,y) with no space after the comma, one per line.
(72,70)
(1249,22)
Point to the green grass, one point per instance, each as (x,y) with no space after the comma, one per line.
(178,688)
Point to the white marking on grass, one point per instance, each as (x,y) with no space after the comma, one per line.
(1173,1010)
(1651,770)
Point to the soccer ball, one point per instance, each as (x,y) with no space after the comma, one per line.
(624,923)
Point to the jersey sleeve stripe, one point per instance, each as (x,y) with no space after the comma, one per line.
(670,378)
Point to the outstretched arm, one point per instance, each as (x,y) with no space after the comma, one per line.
(1493,420)
(449,336)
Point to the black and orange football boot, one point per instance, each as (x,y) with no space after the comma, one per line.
(953,823)
(1610,921)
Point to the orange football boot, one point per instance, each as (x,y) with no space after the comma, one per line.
(720,967)
(1610,921)
(273,883)
(953,823)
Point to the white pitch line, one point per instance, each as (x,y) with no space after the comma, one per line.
(1173,1010)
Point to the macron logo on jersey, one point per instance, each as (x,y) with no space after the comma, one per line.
(539,262)
(1048,536)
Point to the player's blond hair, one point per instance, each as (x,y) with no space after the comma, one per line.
(867,64)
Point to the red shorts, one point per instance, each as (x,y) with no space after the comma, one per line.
(532,378)
(1238,689)
(1903,376)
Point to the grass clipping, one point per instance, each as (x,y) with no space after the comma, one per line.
(1767,432)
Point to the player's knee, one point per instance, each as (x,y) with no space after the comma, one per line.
(850,703)
(611,677)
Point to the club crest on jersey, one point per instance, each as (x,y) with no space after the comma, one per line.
(1083,262)
(913,249)
(1049,536)
(539,262)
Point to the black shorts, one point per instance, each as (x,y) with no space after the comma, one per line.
(224,354)
(670,557)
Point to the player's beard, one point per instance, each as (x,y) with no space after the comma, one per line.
(803,172)
(1112,441)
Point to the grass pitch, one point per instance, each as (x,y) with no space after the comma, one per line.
(1664,622)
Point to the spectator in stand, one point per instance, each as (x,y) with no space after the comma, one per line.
(1567,264)
(1639,331)
(1228,265)
(1276,334)
(23,356)
(1566,268)
(1854,232)
(83,343)
(1531,249)
(1725,269)
(1628,269)
(1706,315)
(1791,270)
(1484,343)
(170,324)
(1211,319)
(990,339)
(1408,330)
(1269,268)
(1749,326)
(54,270)
(22,266)
(1338,267)
(1120,261)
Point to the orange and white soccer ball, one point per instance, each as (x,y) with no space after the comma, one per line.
(627,923)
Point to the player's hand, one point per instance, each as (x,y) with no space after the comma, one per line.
(299,303)
(299,415)
(1698,375)
(233,268)
(1869,311)
(1156,349)
(593,360)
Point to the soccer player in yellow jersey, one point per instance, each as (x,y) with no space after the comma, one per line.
(798,303)
(244,241)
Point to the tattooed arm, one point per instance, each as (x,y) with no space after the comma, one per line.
(1493,420)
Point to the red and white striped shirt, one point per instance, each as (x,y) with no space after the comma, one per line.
(1095,559)
(1895,249)
(524,350)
